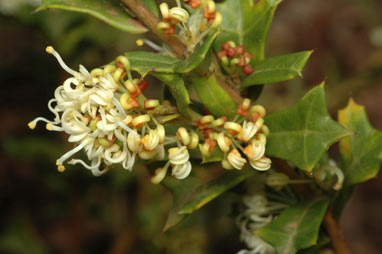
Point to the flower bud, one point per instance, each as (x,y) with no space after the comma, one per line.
(194,141)
(151,104)
(224,142)
(183,136)
(277,180)
(227,165)
(159,175)
(141,120)
(219,122)
(235,159)
(206,119)
(232,127)
(178,14)
(164,10)
(122,60)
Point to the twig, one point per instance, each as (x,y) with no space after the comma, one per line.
(151,21)
(338,241)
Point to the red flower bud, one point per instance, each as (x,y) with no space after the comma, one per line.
(240,50)
(247,69)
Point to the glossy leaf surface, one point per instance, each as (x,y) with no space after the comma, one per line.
(213,96)
(247,23)
(296,228)
(277,69)
(361,154)
(203,185)
(178,90)
(110,12)
(303,132)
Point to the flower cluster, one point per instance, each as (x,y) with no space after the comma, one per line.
(105,114)
(257,213)
(245,135)
(235,60)
(190,29)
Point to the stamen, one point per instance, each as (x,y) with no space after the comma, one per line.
(75,150)
(51,51)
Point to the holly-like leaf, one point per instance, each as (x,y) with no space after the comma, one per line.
(361,154)
(203,185)
(213,96)
(277,69)
(110,12)
(179,91)
(247,23)
(296,228)
(303,132)
(198,55)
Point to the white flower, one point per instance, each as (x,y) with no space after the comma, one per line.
(181,171)
(178,156)
(235,159)
(255,150)
(261,164)
(248,130)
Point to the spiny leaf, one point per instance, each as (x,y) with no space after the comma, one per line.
(303,132)
(110,12)
(203,185)
(247,23)
(213,96)
(361,154)
(296,228)
(277,69)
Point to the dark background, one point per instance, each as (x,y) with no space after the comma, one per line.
(44,211)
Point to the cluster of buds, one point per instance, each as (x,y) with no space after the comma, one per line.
(257,211)
(244,135)
(105,114)
(190,29)
(235,58)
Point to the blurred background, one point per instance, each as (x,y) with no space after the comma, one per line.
(44,211)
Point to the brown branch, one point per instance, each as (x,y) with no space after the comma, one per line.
(338,241)
(151,21)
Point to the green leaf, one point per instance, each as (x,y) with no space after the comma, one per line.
(152,6)
(203,185)
(247,23)
(213,96)
(110,12)
(142,61)
(198,56)
(303,132)
(179,91)
(361,154)
(277,69)
(296,228)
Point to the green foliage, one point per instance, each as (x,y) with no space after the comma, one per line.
(361,154)
(179,91)
(296,228)
(142,61)
(247,23)
(201,187)
(277,69)
(213,96)
(303,132)
(110,12)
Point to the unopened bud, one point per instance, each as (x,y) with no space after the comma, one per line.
(124,62)
(277,180)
